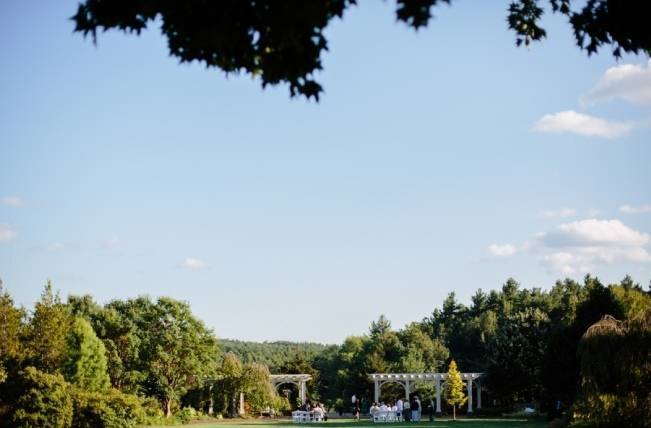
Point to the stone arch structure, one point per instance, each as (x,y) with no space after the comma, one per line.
(299,380)
(407,380)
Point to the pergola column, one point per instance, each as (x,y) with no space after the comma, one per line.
(407,389)
(470,394)
(377,391)
(241,406)
(478,395)
(211,401)
(438,394)
(302,392)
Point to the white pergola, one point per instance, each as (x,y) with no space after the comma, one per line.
(407,380)
(299,380)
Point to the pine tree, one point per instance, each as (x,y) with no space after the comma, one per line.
(454,389)
(85,359)
(45,338)
(11,325)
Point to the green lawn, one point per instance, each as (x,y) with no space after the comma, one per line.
(348,423)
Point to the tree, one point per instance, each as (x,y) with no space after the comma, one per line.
(178,349)
(257,387)
(301,363)
(85,361)
(516,355)
(122,328)
(230,382)
(45,340)
(421,353)
(11,325)
(615,373)
(454,388)
(380,327)
(282,41)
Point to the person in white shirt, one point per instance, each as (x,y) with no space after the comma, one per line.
(399,409)
(373,410)
(383,407)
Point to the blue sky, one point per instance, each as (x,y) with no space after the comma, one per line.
(440,160)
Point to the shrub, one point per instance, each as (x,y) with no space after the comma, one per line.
(45,400)
(107,409)
(186,415)
(281,404)
(151,408)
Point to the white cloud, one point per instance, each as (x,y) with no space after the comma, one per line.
(628,82)
(570,121)
(561,213)
(565,263)
(6,233)
(193,263)
(12,201)
(593,232)
(501,250)
(577,246)
(628,209)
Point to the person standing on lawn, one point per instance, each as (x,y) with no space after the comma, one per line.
(399,409)
(415,410)
(406,411)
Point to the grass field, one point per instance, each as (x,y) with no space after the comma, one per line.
(347,423)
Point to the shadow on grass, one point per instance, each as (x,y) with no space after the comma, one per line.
(338,423)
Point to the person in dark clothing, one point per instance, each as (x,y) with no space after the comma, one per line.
(431,409)
(356,409)
(415,409)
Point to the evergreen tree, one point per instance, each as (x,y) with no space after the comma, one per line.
(85,358)
(454,388)
(11,324)
(45,340)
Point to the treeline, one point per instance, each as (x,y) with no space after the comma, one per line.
(136,361)
(543,348)
(273,354)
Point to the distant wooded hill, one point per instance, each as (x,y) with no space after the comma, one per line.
(274,354)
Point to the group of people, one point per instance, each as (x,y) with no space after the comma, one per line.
(317,408)
(407,410)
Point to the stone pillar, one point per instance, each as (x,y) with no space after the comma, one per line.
(377,391)
(242,409)
(478,395)
(210,401)
(407,389)
(302,392)
(438,394)
(469,394)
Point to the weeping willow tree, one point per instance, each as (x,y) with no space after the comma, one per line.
(615,382)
